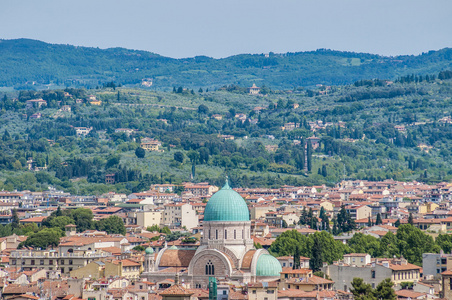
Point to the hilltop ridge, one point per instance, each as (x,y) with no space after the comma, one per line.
(26,63)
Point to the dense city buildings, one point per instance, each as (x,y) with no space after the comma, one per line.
(159,244)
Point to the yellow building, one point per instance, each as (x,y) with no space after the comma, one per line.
(303,279)
(126,268)
(428,207)
(150,144)
(263,291)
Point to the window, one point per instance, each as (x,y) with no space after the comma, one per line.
(225,234)
(254,291)
(216,234)
(32,262)
(51,262)
(210,268)
(224,292)
(235,234)
(62,262)
(450,283)
(13,262)
(70,261)
(372,273)
(283,264)
(270,291)
(41,262)
(209,234)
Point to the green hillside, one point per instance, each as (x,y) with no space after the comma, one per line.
(369,130)
(31,64)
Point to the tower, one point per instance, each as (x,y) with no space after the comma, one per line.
(149,261)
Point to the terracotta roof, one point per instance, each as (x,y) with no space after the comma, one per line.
(176,290)
(29,296)
(176,258)
(409,294)
(112,250)
(33,220)
(408,266)
(247,258)
(129,263)
(288,270)
(292,293)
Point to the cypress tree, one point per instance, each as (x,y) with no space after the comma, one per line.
(316,261)
(378,221)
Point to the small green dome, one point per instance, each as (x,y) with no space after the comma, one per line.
(267,265)
(173,247)
(149,250)
(226,205)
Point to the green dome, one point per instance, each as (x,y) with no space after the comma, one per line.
(267,265)
(173,247)
(226,205)
(149,250)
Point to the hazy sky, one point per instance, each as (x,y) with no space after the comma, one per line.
(219,28)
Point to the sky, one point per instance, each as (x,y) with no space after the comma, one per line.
(187,28)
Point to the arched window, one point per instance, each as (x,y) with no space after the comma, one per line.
(210,268)
(225,234)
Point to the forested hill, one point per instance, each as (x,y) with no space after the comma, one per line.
(25,61)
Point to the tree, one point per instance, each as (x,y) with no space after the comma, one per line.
(410,219)
(203,155)
(362,290)
(83,219)
(165,230)
(15,221)
(363,243)
(140,152)
(324,171)
(309,156)
(153,228)
(139,248)
(193,156)
(316,261)
(48,237)
(112,224)
(284,224)
(203,109)
(179,157)
(412,243)
(61,221)
(325,225)
(378,221)
(385,291)
(58,212)
(285,243)
(296,257)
